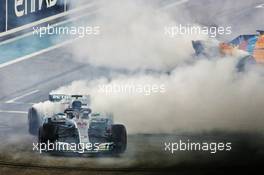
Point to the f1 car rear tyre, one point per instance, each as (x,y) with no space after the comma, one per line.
(33,121)
(119,136)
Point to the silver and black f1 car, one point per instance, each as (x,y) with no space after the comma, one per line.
(77,125)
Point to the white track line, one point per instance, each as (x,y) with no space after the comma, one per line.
(19,103)
(22,96)
(44,50)
(176,3)
(13,112)
(38,53)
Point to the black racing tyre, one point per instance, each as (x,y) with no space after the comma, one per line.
(33,121)
(119,137)
(46,135)
(42,139)
(41,136)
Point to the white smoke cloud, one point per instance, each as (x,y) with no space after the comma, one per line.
(48,108)
(204,95)
(132,36)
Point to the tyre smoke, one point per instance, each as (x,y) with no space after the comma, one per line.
(199,95)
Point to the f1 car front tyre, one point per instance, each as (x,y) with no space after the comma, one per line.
(33,121)
(46,133)
(41,136)
(119,137)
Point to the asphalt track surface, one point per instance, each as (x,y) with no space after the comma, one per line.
(29,81)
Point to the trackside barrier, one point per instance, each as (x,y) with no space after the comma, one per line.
(17,15)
